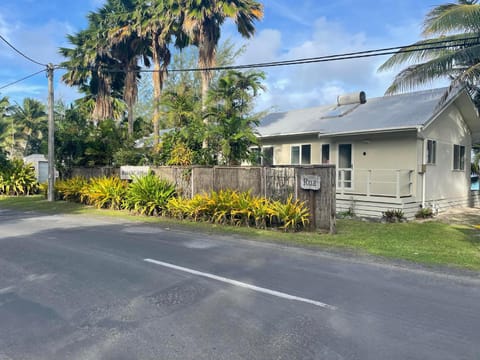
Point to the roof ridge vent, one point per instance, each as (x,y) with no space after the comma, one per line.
(352,98)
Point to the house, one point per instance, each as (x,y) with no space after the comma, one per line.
(393,152)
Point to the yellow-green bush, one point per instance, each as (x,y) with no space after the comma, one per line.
(71,189)
(105,192)
(234,208)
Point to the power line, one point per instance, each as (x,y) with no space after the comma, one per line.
(445,44)
(22,79)
(21,53)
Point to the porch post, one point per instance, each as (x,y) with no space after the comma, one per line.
(342,181)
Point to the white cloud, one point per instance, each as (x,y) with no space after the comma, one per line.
(298,86)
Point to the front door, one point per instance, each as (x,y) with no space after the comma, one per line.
(345,166)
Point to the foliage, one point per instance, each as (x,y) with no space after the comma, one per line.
(234,208)
(71,189)
(291,215)
(231,123)
(393,215)
(424,213)
(18,178)
(148,195)
(449,25)
(105,192)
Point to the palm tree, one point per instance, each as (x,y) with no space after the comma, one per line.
(231,103)
(92,65)
(7,132)
(127,48)
(31,119)
(202,23)
(155,22)
(456,26)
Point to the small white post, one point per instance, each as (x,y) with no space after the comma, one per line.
(398,184)
(369,180)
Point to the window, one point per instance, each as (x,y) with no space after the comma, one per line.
(325,153)
(267,156)
(300,154)
(431,151)
(263,156)
(458,157)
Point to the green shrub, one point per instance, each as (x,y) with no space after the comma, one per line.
(105,192)
(18,178)
(290,215)
(424,213)
(393,215)
(148,195)
(71,189)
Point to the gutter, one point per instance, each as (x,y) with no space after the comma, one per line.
(373,131)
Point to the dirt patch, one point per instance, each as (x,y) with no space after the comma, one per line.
(464,216)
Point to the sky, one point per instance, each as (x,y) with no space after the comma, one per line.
(290,29)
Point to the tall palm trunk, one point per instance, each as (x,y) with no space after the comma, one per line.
(103,106)
(131,93)
(206,61)
(158,79)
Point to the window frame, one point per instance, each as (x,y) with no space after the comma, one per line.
(325,146)
(458,157)
(431,152)
(300,154)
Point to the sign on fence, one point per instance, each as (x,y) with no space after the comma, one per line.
(128,172)
(310,182)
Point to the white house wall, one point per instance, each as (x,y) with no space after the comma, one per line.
(443,184)
(382,153)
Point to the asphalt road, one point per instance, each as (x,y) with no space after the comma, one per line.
(76,287)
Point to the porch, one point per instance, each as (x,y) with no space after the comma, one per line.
(378,183)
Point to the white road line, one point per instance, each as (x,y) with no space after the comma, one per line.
(242,284)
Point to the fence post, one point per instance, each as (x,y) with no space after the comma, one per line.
(316,186)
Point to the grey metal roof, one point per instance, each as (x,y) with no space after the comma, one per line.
(385,113)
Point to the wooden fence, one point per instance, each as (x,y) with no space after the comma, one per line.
(276,183)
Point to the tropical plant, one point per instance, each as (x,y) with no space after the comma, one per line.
(202,20)
(148,195)
(18,178)
(451,50)
(30,119)
(105,192)
(93,65)
(155,22)
(231,131)
(72,189)
(291,214)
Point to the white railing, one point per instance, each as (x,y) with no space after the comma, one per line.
(396,183)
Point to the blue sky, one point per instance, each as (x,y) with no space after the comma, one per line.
(289,30)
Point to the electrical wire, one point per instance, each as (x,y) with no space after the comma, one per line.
(21,53)
(445,44)
(22,79)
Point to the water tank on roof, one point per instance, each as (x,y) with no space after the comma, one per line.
(353,98)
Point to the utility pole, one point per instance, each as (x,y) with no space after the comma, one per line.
(51,136)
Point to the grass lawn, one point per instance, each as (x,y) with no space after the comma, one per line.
(429,243)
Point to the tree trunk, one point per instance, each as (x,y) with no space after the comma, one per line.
(130,95)
(206,60)
(158,76)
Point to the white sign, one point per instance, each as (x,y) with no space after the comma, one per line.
(310,182)
(128,172)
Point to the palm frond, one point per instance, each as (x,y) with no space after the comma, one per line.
(462,17)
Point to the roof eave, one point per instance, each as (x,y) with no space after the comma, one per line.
(372,131)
